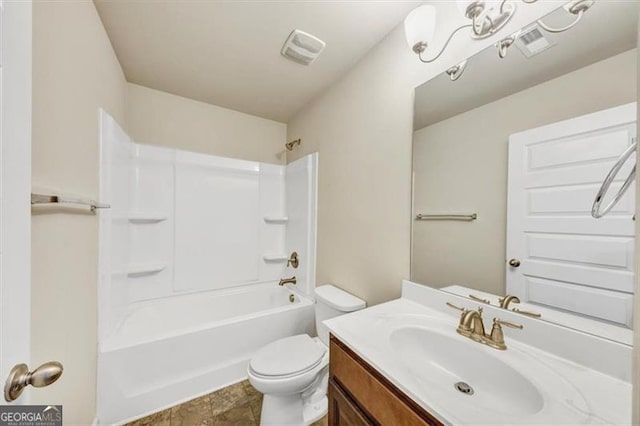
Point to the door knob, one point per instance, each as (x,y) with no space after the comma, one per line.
(20,377)
(514,263)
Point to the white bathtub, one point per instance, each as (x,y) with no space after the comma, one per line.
(176,349)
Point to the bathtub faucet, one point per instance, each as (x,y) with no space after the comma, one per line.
(284,281)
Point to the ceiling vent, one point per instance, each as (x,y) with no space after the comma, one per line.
(302,47)
(533,41)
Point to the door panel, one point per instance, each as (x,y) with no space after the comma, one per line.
(608,305)
(587,249)
(570,151)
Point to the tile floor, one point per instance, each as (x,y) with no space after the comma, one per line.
(238,404)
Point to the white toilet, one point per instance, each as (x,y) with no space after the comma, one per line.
(293,372)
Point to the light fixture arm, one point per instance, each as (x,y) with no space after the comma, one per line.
(563,29)
(427,61)
(577,9)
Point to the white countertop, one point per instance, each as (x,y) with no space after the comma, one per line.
(571,393)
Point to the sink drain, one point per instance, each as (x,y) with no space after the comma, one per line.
(464,388)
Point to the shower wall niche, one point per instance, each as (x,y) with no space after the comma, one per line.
(182,223)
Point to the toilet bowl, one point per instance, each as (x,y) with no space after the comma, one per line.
(293,372)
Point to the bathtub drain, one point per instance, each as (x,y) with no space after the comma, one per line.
(464,388)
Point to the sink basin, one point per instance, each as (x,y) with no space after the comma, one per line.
(418,350)
(465,372)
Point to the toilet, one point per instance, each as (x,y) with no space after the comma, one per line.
(293,372)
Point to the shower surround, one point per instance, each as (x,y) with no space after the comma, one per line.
(191,252)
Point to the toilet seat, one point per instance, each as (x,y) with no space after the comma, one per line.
(288,357)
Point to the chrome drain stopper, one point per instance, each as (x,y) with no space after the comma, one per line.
(464,388)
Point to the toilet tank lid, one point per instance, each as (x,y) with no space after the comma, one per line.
(339,299)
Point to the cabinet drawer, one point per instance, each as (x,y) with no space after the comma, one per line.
(343,411)
(374,394)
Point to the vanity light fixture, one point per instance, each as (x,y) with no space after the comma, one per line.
(487,18)
(419,27)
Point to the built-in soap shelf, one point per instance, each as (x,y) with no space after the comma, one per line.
(276,219)
(146,217)
(275,257)
(142,269)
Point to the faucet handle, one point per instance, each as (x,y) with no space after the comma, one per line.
(451,305)
(499,322)
(527,313)
(496,338)
(464,310)
(480,299)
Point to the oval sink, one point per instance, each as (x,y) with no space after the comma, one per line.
(453,365)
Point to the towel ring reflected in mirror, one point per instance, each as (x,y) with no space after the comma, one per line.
(596,211)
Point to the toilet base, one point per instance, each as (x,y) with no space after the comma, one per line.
(299,409)
(281,410)
(314,411)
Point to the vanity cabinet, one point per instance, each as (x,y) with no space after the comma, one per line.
(360,395)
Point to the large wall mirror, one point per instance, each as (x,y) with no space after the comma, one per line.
(508,156)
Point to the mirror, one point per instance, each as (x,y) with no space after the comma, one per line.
(508,156)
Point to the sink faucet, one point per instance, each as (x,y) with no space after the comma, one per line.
(508,299)
(284,281)
(471,325)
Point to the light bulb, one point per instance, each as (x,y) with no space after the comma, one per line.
(419,27)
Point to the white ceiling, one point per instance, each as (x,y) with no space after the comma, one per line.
(609,28)
(227,53)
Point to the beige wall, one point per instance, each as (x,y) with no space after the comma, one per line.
(160,118)
(74,73)
(362,129)
(460,164)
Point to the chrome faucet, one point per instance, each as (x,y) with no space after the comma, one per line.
(471,325)
(284,281)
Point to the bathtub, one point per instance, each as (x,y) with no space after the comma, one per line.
(169,351)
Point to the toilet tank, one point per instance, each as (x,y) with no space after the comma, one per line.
(331,302)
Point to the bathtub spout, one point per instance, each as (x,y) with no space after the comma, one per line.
(284,281)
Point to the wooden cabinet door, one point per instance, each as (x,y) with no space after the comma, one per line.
(342,411)
(365,386)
